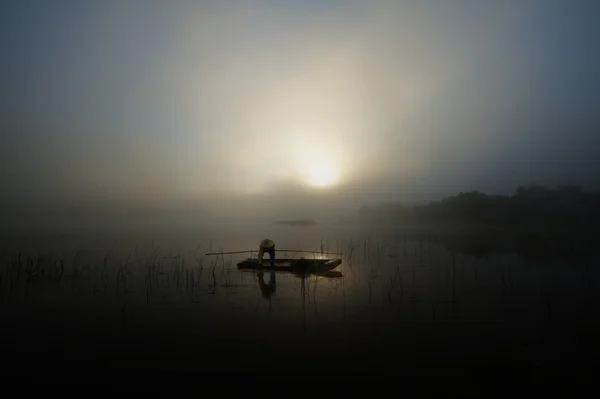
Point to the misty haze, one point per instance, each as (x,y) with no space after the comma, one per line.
(427,172)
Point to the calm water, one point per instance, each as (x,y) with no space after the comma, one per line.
(149,297)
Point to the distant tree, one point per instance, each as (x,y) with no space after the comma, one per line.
(530,206)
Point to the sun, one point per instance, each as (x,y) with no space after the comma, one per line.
(315,161)
(320,175)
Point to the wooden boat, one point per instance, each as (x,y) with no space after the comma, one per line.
(302,265)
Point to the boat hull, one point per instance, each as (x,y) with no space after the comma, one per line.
(291,265)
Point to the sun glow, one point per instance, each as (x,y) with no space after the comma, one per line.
(315,160)
(321,175)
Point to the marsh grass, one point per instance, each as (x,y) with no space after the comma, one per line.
(407,274)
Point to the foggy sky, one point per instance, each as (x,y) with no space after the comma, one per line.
(158,100)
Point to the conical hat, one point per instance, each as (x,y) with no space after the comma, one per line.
(267,244)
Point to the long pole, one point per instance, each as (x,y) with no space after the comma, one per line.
(277,250)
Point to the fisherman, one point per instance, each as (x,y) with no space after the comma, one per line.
(267,246)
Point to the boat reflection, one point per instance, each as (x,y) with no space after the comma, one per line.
(324,274)
(269,288)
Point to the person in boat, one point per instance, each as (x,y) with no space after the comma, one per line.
(266,246)
(267,289)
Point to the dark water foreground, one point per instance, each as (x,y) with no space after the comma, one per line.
(396,307)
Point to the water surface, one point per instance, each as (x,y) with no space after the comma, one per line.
(399,303)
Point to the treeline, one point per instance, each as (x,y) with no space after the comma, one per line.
(530,206)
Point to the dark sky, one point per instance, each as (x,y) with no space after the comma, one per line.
(370,99)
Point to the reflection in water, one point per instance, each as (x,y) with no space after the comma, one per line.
(325,274)
(394,281)
(267,289)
